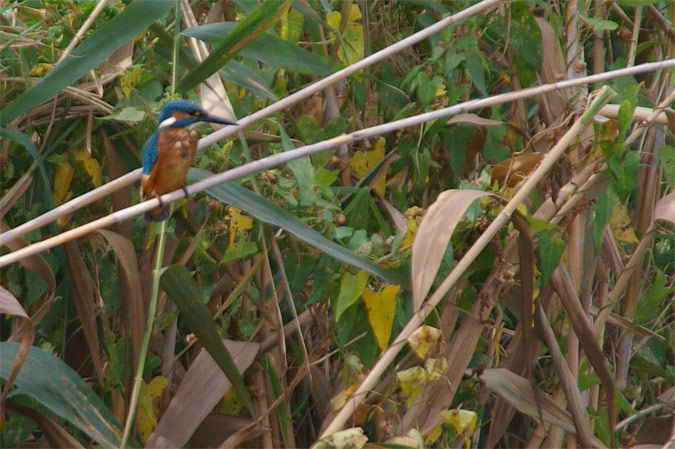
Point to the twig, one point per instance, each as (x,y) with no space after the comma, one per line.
(281,158)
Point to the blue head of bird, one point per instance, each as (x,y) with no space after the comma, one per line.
(168,153)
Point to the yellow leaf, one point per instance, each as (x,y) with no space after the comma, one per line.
(292,22)
(435,368)
(381,307)
(412,381)
(340,399)
(440,90)
(239,223)
(94,170)
(413,224)
(351,46)
(363,161)
(40,69)
(349,438)
(148,406)
(620,224)
(63,176)
(464,422)
(230,403)
(412,439)
(423,340)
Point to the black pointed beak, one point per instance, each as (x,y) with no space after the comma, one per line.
(214,119)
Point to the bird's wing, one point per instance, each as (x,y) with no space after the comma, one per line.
(150,153)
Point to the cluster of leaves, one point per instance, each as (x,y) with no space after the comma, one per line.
(342,265)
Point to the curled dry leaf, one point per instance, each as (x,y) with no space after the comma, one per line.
(665,208)
(515,169)
(517,391)
(433,236)
(202,388)
(11,306)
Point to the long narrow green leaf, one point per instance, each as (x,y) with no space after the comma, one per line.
(54,385)
(267,211)
(267,49)
(92,52)
(264,16)
(184,291)
(23,139)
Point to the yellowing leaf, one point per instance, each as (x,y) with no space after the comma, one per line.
(381,307)
(351,46)
(620,224)
(440,90)
(230,403)
(292,22)
(413,224)
(435,368)
(464,422)
(91,165)
(412,381)
(239,223)
(413,439)
(363,161)
(339,400)
(351,288)
(148,406)
(40,69)
(423,340)
(349,439)
(63,176)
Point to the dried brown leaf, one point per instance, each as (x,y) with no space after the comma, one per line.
(83,292)
(517,391)
(11,306)
(202,388)
(433,236)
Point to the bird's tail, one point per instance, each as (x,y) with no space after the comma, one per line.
(158,214)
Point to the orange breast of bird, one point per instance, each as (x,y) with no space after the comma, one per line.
(176,150)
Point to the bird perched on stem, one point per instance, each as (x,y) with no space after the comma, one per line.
(169,152)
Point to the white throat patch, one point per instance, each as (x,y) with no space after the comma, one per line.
(168,122)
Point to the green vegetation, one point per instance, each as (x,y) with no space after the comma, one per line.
(408,269)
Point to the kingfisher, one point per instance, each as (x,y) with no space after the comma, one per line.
(169,152)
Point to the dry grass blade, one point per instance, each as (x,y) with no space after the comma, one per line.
(517,392)
(665,209)
(133,312)
(55,434)
(202,388)
(567,380)
(83,292)
(11,306)
(433,235)
(38,265)
(562,283)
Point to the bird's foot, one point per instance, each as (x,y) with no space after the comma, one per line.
(184,189)
(159,198)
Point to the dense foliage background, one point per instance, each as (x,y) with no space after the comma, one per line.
(310,270)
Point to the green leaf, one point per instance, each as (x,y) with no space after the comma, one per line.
(551,249)
(267,49)
(89,54)
(475,70)
(667,156)
(526,35)
(602,211)
(351,288)
(54,385)
(47,198)
(242,75)
(625,174)
(648,306)
(184,291)
(256,23)
(268,212)
(303,171)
